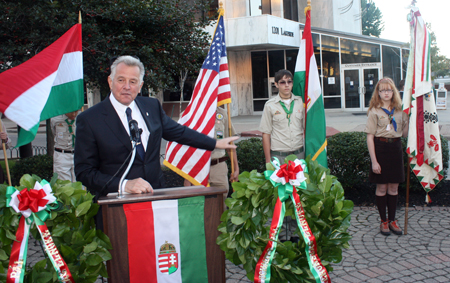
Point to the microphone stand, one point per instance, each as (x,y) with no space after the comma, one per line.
(133,143)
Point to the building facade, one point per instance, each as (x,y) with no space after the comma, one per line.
(263,36)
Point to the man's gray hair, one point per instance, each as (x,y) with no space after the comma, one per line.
(129,61)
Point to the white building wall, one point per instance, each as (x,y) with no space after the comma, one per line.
(350,21)
(240,68)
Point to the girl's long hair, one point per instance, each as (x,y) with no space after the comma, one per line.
(376,102)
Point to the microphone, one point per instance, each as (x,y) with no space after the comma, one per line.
(135,132)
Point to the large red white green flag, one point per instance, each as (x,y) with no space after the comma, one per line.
(47,85)
(424,143)
(166,241)
(307,85)
(212,89)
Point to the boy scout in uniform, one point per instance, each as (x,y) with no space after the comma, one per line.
(282,122)
(63,128)
(218,175)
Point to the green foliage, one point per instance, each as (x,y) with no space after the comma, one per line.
(250,155)
(371,20)
(349,160)
(40,165)
(440,65)
(245,229)
(167,36)
(72,227)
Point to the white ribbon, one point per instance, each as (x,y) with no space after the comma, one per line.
(14,203)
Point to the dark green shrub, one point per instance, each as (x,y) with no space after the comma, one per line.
(250,155)
(349,160)
(41,165)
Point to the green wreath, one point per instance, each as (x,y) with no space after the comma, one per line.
(245,229)
(72,228)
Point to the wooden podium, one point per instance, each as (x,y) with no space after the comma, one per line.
(115,226)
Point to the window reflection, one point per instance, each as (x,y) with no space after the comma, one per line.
(391,63)
(353,51)
(331,74)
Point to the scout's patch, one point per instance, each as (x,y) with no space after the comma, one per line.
(219,116)
(219,135)
(277,112)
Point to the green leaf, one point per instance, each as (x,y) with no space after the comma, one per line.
(90,247)
(93,259)
(3,255)
(83,208)
(237,220)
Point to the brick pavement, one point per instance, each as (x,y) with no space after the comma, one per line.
(423,255)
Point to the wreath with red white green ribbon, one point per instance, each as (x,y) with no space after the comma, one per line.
(303,190)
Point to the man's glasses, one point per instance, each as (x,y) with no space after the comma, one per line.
(285,82)
(386,91)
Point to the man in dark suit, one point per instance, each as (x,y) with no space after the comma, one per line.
(103,141)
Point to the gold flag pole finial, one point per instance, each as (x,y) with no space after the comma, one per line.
(79,17)
(308,6)
(221,11)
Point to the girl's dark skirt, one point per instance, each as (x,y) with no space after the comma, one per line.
(390,157)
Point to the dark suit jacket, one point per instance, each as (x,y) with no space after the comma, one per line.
(102,145)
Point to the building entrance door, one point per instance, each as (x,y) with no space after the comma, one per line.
(358,83)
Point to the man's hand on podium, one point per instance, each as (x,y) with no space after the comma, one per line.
(138,186)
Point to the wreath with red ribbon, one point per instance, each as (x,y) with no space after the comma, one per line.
(247,235)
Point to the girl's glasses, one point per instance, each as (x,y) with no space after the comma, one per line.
(386,91)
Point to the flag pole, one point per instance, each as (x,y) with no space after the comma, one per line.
(79,17)
(6,158)
(408,174)
(221,13)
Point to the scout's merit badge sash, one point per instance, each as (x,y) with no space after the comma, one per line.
(287,178)
(35,206)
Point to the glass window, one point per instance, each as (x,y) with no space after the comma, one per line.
(332,102)
(290,10)
(405,58)
(255,8)
(331,74)
(276,62)
(291,59)
(359,52)
(391,63)
(259,75)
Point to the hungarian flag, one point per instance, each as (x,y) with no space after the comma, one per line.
(424,143)
(166,241)
(47,85)
(212,89)
(307,85)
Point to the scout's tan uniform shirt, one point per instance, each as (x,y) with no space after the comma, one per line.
(221,131)
(283,136)
(378,120)
(60,128)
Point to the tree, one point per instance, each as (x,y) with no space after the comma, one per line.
(371,19)
(167,35)
(440,65)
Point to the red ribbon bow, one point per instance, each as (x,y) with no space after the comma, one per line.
(31,199)
(289,171)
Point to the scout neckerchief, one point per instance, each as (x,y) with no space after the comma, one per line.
(391,119)
(71,130)
(288,112)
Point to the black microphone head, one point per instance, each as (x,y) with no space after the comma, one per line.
(135,133)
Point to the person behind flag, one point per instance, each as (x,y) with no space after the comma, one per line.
(63,129)
(386,123)
(218,175)
(7,141)
(103,141)
(282,122)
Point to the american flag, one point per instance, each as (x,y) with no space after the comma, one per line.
(212,89)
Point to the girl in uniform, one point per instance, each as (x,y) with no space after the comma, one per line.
(386,123)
